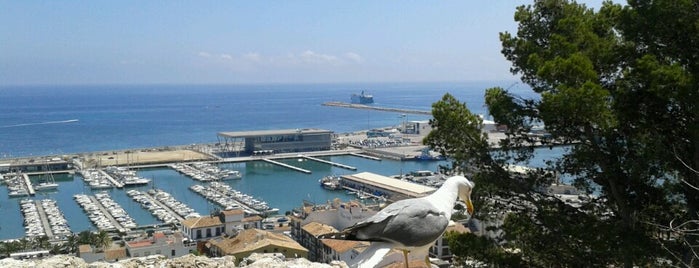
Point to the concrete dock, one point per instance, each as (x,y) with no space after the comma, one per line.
(286,166)
(169,210)
(111,179)
(330,163)
(44,218)
(28,183)
(365,156)
(106,213)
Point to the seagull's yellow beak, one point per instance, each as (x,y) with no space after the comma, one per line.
(469,206)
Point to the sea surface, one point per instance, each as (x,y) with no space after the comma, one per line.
(55,120)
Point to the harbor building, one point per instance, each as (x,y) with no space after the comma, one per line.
(386,187)
(275,141)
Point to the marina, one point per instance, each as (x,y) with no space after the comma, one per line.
(201,171)
(162,205)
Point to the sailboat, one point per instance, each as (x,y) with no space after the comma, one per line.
(48,184)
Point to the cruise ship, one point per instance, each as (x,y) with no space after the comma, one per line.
(362,98)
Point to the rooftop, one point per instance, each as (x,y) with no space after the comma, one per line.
(256,133)
(316,228)
(396,185)
(252,239)
(341,246)
(232,212)
(202,222)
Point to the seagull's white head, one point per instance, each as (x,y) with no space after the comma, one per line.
(465,188)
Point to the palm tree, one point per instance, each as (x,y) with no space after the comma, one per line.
(40,242)
(71,244)
(102,240)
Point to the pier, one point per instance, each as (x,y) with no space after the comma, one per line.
(377,108)
(107,214)
(111,179)
(365,156)
(286,166)
(166,208)
(28,183)
(44,219)
(330,163)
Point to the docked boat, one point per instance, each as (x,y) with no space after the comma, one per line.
(426,155)
(331,182)
(362,98)
(48,184)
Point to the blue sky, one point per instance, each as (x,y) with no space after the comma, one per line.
(222,42)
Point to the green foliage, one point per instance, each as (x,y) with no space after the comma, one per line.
(622,84)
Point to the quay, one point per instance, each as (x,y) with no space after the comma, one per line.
(330,163)
(44,219)
(28,183)
(111,179)
(365,156)
(106,213)
(377,108)
(286,166)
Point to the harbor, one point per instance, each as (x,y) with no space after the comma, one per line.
(148,188)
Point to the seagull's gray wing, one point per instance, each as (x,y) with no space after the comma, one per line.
(409,222)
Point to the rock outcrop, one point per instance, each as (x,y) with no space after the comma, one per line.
(157,261)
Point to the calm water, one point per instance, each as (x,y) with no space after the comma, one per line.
(41,121)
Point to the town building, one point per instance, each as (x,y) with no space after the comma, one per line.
(170,245)
(440,249)
(91,254)
(228,222)
(309,239)
(256,241)
(340,250)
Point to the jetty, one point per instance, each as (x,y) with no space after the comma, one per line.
(28,184)
(365,156)
(107,214)
(44,219)
(111,179)
(377,108)
(286,165)
(165,207)
(330,163)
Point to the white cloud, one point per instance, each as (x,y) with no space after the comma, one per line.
(226,57)
(204,54)
(354,57)
(309,56)
(252,56)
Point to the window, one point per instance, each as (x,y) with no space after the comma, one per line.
(172,253)
(198,233)
(208,232)
(157,251)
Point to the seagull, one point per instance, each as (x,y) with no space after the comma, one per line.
(410,225)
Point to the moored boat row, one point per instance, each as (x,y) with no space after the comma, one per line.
(126,176)
(172,203)
(206,172)
(33,225)
(16,185)
(156,210)
(119,214)
(96,179)
(57,221)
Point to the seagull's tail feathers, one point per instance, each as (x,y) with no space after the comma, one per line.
(371,256)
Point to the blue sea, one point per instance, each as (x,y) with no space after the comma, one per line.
(55,120)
